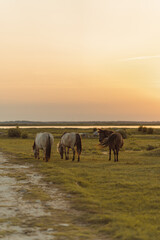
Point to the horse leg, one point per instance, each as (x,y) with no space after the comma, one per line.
(114,155)
(65,153)
(62,154)
(109,154)
(78,156)
(68,153)
(38,154)
(117,154)
(44,154)
(73,154)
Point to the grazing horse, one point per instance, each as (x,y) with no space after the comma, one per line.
(115,142)
(70,140)
(43,141)
(103,134)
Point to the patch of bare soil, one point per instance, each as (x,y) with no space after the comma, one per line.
(31,209)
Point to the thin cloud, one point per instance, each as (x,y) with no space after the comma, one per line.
(139,58)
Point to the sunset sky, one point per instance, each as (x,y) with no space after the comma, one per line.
(71,60)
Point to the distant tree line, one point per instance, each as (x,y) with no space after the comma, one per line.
(145,130)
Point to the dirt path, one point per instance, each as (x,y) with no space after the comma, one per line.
(32,210)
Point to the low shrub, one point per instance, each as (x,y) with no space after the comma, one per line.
(136,149)
(14,132)
(24,135)
(150,130)
(140,128)
(153,153)
(144,129)
(150,147)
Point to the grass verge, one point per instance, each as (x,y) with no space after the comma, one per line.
(117,199)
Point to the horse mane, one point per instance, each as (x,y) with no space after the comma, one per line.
(78,143)
(63,134)
(48,148)
(104,133)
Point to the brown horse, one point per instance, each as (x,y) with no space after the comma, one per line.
(103,134)
(115,142)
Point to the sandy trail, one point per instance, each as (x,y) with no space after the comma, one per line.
(17,214)
(31,209)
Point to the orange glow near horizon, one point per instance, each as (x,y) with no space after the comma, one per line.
(80,60)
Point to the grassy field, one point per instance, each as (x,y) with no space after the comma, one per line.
(121,199)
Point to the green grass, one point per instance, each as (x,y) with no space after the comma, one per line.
(117,199)
(36,194)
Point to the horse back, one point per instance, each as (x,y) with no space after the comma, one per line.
(42,138)
(115,140)
(71,140)
(68,139)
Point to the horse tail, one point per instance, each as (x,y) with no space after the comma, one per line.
(109,140)
(78,143)
(105,142)
(48,148)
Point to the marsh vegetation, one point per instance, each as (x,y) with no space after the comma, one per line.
(119,200)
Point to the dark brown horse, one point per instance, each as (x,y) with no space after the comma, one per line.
(115,142)
(104,134)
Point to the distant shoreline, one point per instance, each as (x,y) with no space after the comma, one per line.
(80,123)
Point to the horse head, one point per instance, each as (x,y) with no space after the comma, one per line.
(103,134)
(60,149)
(35,150)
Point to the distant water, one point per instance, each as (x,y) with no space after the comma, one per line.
(78,127)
